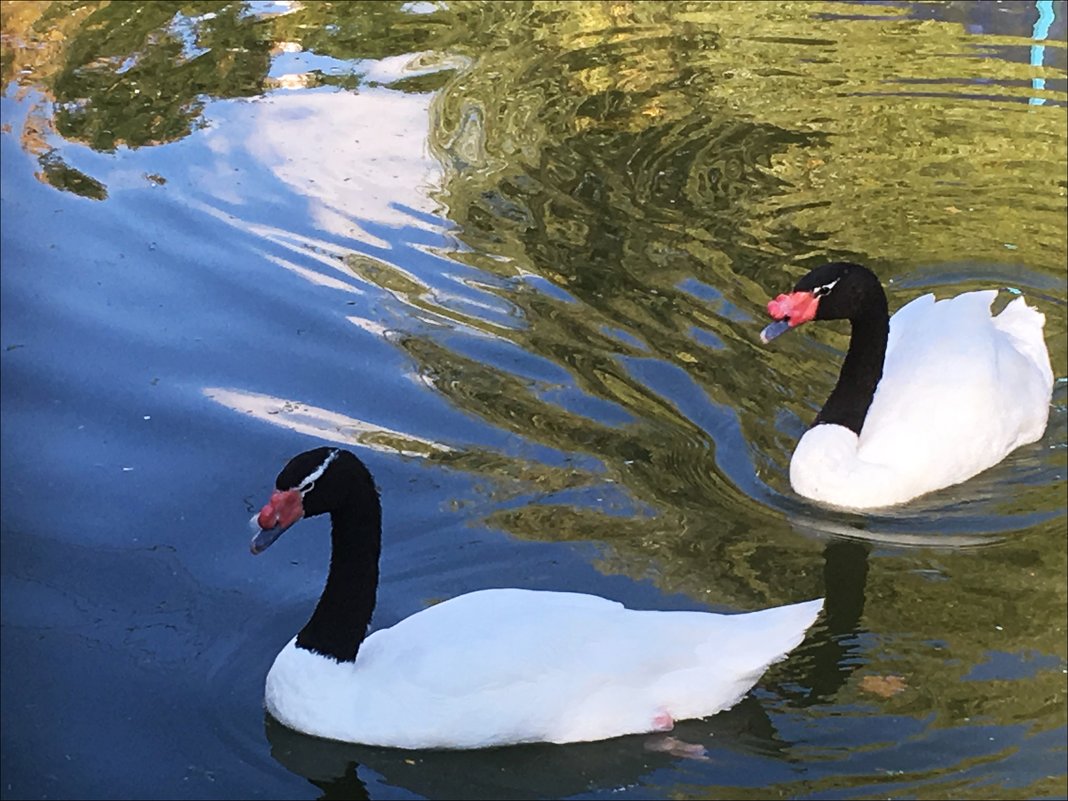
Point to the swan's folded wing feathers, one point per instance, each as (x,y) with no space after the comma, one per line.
(905,319)
(1025,325)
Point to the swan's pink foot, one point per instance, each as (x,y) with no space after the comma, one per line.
(663,721)
(678,748)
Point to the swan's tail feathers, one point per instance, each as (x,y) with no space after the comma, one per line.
(787,625)
(1024,324)
(770,634)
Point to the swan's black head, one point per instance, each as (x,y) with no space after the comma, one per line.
(840,290)
(312,483)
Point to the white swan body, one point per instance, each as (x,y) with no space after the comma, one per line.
(960,389)
(504,666)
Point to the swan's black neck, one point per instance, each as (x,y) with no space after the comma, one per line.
(863,366)
(339,624)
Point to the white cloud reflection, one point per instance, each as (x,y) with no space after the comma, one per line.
(323,424)
(359,158)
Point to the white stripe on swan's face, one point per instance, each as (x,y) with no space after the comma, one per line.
(306,485)
(820,291)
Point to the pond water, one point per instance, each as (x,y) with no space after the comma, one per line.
(515,256)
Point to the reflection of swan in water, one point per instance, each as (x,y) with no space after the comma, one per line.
(831,652)
(828,658)
(539,770)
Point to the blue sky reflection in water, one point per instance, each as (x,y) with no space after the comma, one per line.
(517,257)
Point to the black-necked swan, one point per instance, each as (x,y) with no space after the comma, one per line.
(925,399)
(496,666)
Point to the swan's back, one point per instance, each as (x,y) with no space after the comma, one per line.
(960,388)
(506,666)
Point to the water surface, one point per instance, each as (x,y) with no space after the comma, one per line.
(516,256)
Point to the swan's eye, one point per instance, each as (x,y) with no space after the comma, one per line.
(304,489)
